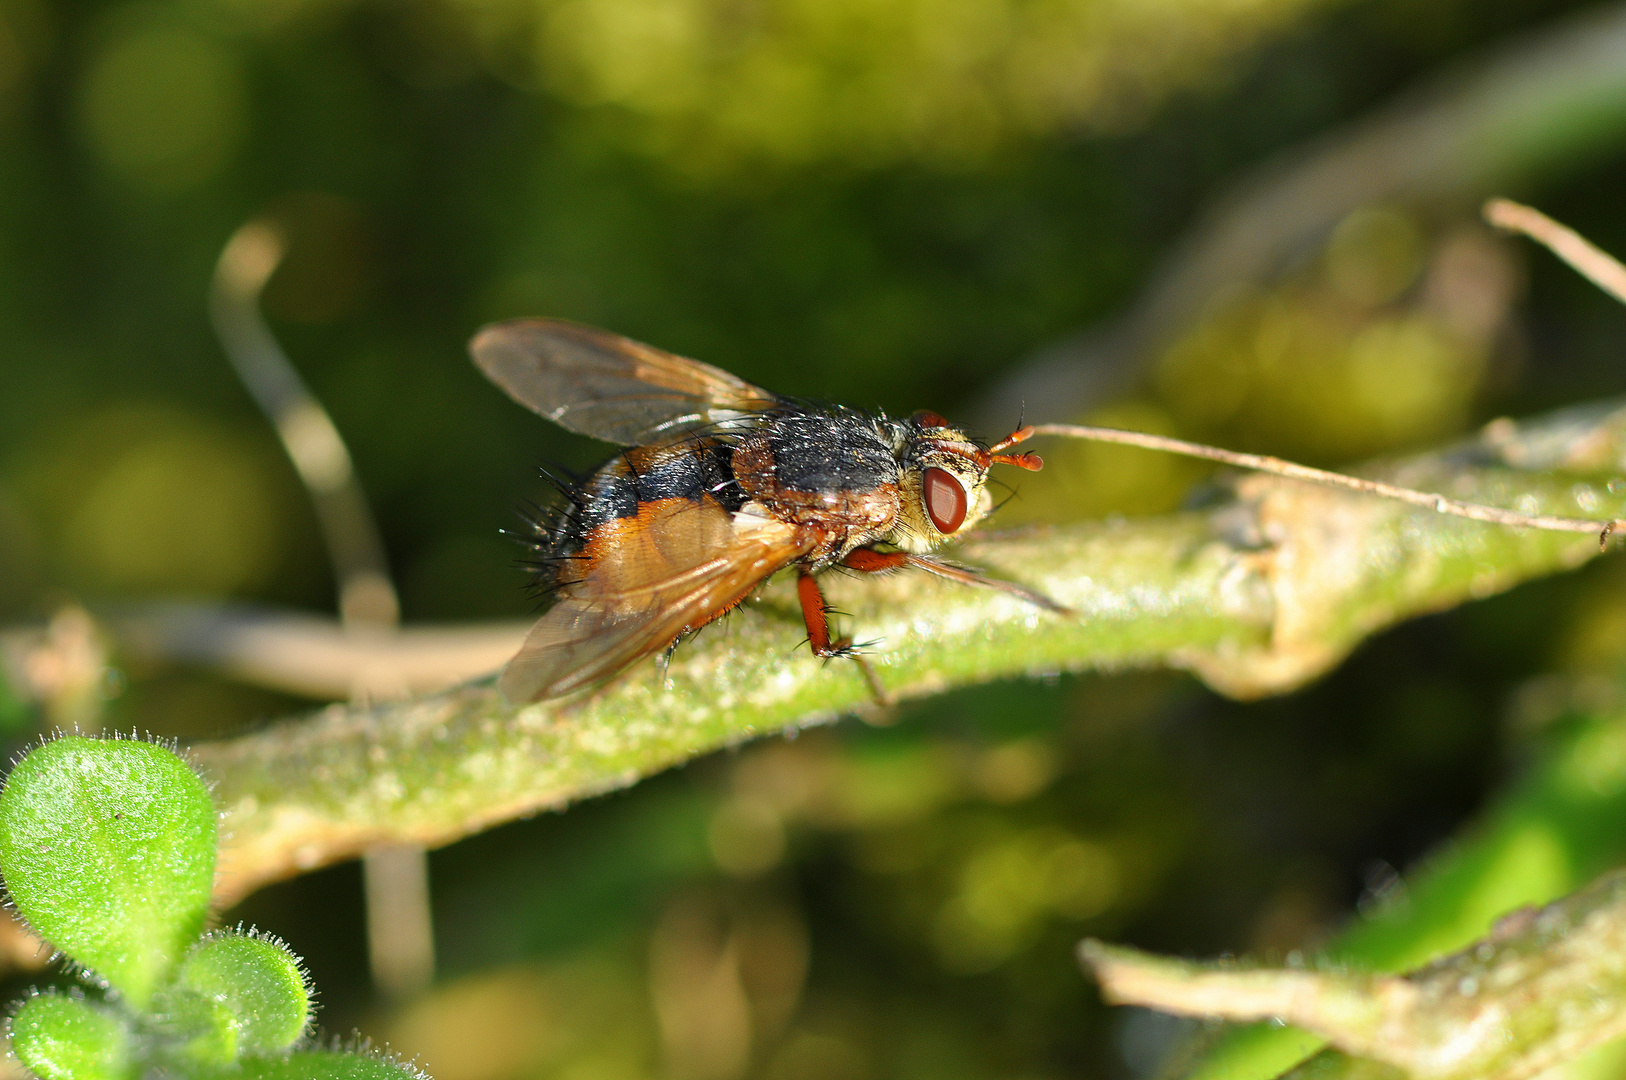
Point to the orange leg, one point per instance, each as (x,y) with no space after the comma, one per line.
(814,614)
(869,561)
(866,561)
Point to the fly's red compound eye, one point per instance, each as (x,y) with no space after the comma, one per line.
(945,499)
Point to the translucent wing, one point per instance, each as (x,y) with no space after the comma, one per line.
(675,566)
(607,386)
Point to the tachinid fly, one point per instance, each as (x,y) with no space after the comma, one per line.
(722,485)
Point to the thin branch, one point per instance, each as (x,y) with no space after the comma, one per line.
(1541,989)
(1596,265)
(314,656)
(1255,596)
(1280,467)
(1587,259)
(366,595)
(1455,894)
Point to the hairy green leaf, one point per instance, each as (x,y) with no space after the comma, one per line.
(195,1030)
(63,1038)
(108,850)
(258,985)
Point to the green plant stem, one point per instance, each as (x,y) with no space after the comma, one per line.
(1540,989)
(1560,825)
(1256,595)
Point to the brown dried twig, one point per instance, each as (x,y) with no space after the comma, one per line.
(1584,257)
(1280,467)
(366,595)
(1590,261)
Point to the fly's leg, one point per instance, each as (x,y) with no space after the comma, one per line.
(869,561)
(815,613)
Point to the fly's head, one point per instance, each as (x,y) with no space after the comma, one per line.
(944,480)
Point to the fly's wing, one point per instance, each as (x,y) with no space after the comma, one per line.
(607,386)
(673,567)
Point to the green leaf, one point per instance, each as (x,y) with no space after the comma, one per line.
(108,850)
(63,1038)
(195,1030)
(257,983)
(329,1065)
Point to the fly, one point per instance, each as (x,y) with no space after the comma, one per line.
(721,485)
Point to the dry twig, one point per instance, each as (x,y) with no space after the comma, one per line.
(1587,259)
(1280,467)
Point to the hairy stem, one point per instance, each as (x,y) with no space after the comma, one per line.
(1256,595)
(1543,987)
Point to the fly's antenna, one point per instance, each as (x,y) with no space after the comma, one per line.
(1030,462)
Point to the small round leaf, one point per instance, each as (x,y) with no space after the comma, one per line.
(196,1030)
(108,850)
(63,1038)
(258,982)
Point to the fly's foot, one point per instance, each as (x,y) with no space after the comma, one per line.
(839,647)
(881,712)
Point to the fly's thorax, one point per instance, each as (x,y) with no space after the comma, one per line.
(825,470)
(942,488)
(829,450)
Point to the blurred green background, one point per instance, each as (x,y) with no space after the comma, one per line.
(887,203)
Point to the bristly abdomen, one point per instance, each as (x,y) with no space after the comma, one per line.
(689,469)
